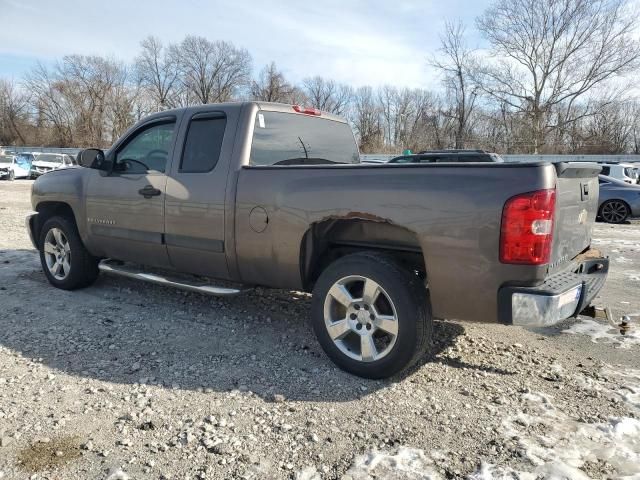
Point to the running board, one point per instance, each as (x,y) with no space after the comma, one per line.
(129,271)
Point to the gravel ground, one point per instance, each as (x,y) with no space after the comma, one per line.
(129,380)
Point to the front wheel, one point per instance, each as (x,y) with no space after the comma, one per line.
(65,261)
(371,315)
(614,211)
(12,175)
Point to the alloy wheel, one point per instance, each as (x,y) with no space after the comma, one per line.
(614,211)
(57,253)
(360,318)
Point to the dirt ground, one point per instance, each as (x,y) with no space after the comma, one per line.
(126,380)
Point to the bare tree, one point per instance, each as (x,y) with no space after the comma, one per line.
(271,86)
(213,71)
(327,95)
(91,82)
(13,113)
(157,68)
(366,120)
(55,110)
(456,62)
(82,100)
(549,53)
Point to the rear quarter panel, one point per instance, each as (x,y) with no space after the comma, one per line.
(454,210)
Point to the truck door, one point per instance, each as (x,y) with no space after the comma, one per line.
(125,208)
(195,200)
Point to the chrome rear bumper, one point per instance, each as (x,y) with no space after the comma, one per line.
(560,296)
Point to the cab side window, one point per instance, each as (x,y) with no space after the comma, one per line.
(147,151)
(203,144)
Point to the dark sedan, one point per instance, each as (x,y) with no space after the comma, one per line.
(618,200)
(450,155)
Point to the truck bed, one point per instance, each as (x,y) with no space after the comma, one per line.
(449,213)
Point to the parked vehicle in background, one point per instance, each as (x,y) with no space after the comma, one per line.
(619,200)
(634,170)
(624,172)
(14,166)
(374,160)
(275,195)
(441,156)
(46,162)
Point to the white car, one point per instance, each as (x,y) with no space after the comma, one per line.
(46,162)
(626,172)
(14,166)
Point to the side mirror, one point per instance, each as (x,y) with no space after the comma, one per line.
(93,158)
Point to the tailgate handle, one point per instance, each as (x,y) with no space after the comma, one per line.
(584,191)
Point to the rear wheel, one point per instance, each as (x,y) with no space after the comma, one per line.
(371,315)
(614,211)
(65,261)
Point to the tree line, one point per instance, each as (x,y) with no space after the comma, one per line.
(557,76)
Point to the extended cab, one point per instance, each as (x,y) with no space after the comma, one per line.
(274,195)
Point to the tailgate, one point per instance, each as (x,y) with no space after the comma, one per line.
(576,208)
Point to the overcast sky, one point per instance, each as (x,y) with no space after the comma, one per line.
(360,42)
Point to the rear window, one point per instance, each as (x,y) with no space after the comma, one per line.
(281,138)
(605,171)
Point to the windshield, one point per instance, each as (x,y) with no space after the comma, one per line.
(281,138)
(631,172)
(6,159)
(24,160)
(49,157)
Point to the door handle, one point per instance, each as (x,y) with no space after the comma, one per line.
(149,191)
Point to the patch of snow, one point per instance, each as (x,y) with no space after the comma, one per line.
(117,474)
(309,473)
(627,385)
(634,276)
(552,444)
(559,446)
(621,259)
(406,464)
(550,471)
(605,333)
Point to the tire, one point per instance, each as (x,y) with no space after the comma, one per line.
(401,306)
(77,267)
(12,175)
(614,211)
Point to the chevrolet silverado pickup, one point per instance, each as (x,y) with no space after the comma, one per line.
(219,198)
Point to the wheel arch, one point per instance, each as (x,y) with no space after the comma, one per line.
(327,240)
(47,210)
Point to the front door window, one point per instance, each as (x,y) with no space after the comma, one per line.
(147,151)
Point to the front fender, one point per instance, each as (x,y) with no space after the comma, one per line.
(65,187)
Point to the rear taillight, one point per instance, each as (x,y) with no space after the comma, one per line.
(527,228)
(307,110)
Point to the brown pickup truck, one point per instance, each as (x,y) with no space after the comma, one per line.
(274,195)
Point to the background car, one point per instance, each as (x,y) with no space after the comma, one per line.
(618,200)
(14,166)
(437,156)
(46,162)
(623,172)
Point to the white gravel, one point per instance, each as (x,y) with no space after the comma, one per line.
(129,380)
